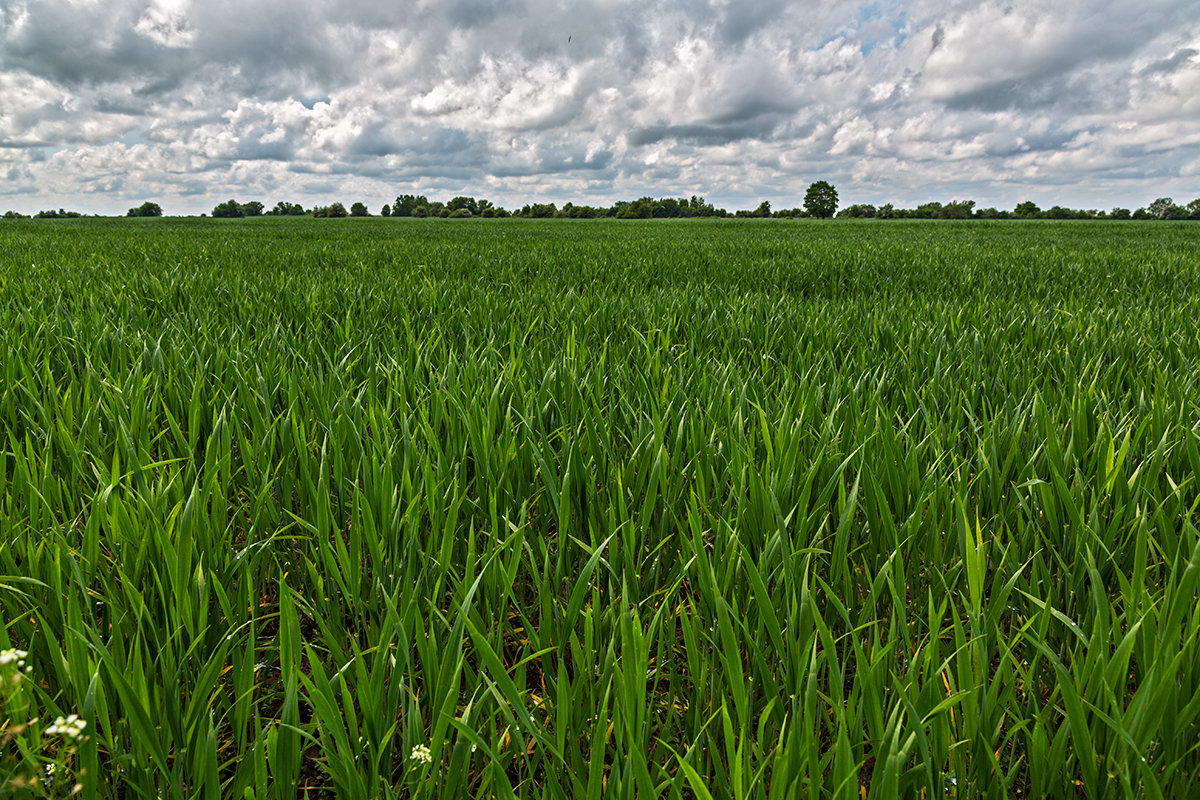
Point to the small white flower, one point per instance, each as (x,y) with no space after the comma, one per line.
(71,727)
(51,769)
(13,656)
(421,753)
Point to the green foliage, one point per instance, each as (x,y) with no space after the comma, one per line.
(546,210)
(858,211)
(336,210)
(821,200)
(406,205)
(285,209)
(230,209)
(359,210)
(541,509)
(60,214)
(146,209)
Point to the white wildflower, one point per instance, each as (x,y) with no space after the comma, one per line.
(71,727)
(421,753)
(13,656)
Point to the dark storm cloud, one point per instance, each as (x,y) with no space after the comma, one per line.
(757,128)
(264,45)
(1080,93)
(375,140)
(558,161)
(75,46)
(260,149)
(742,20)
(716,97)
(1182,58)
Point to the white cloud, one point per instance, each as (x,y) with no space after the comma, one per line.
(1090,104)
(166,22)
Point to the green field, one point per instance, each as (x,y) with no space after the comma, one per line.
(600,509)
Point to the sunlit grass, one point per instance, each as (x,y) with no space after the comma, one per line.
(374,508)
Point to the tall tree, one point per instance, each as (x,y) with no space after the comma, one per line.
(821,200)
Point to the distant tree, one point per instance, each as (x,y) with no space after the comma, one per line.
(988,213)
(764,209)
(886,211)
(1193,209)
(642,208)
(407,204)
(334,210)
(821,200)
(1120,213)
(858,211)
(957,209)
(230,209)
(252,209)
(1059,212)
(1161,207)
(1142,213)
(697,207)
(1027,210)
(386,211)
(539,210)
(15,215)
(459,203)
(460,213)
(359,210)
(146,209)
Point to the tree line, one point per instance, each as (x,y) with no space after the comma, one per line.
(1164,208)
(820,201)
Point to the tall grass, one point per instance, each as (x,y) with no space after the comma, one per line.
(760,510)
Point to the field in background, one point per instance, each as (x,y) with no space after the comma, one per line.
(708,509)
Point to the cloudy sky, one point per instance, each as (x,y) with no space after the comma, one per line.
(106,103)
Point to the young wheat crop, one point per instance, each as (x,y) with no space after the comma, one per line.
(386,508)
